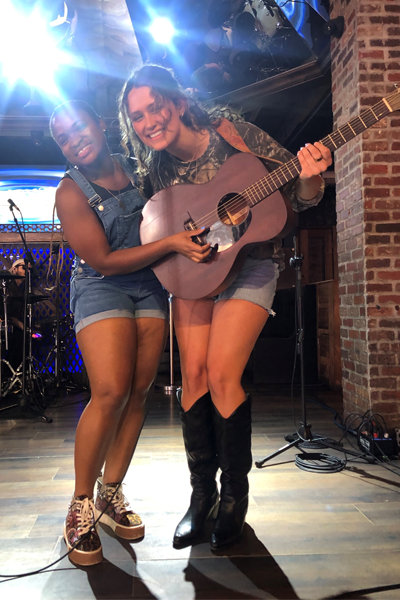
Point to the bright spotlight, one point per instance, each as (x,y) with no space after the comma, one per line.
(27,49)
(162,30)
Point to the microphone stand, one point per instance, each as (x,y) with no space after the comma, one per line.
(304,436)
(57,334)
(26,399)
(172,387)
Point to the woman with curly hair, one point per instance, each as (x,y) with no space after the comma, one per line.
(176,141)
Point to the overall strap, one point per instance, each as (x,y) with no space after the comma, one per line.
(228,131)
(93,198)
(127,167)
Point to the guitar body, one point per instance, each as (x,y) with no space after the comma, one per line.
(170,210)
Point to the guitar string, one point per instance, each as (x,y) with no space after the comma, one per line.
(235,202)
(252,192)
(338,136)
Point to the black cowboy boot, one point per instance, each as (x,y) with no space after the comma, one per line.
(198,435)
(233,436)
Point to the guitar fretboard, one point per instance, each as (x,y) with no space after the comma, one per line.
(279,177)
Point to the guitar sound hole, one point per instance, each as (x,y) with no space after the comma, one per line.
(232,209)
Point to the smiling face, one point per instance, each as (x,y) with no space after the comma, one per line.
(80,136)
(155,119)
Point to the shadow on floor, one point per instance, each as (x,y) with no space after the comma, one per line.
(244,571)
(247,565)
(365,593)
(106,580)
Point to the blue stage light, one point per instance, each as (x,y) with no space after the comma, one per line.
(162,30)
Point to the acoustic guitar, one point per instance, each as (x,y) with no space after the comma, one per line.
(240,207)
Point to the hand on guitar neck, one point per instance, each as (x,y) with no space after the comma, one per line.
(314,159)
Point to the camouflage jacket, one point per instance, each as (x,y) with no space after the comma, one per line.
(170,171)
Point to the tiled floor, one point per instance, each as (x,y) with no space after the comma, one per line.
(309,536)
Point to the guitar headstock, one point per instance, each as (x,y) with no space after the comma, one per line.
(393,100)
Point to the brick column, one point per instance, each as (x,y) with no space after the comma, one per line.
(365,66)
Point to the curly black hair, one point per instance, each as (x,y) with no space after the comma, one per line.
(71,105)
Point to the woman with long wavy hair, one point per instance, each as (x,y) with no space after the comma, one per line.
(176,141)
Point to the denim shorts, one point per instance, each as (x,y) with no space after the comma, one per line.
(97,298)
(256,283)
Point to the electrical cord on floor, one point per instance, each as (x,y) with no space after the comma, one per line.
(312,462)
(317,462)
(383,464)
(329,408)
(367,418)
(323,463)
(85,535)
(47,567)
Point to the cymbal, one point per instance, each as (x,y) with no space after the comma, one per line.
(37,298)
(8,275)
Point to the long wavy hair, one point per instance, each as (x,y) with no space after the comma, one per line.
(164,85)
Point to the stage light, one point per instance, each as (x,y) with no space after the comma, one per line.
(27,49)
(162,30)
(61,19)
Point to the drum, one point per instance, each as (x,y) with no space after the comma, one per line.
(257,16)
(267,16)
(244,23)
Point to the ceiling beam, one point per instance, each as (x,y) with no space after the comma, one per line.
(253,96)
(21,126)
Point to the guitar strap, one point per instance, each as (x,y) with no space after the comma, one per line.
(228,131)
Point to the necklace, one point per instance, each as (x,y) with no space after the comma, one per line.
(186,165)
(179,165)
(121,204)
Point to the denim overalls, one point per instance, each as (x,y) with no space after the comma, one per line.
(138,294)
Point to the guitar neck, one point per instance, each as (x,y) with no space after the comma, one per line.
(279,177)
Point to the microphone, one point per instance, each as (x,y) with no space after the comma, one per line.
(13,205)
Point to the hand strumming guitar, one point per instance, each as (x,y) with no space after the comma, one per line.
(183,244)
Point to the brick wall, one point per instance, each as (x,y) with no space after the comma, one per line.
(365,66)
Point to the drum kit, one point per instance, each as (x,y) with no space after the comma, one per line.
(30,381)
(259,33)
(25,376)
(265,18)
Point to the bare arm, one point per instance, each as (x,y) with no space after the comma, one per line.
(307,189)
(86,236)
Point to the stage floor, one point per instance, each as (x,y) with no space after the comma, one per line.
(309,536)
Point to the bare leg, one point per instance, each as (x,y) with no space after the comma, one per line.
(192,326)
(236,325)
(109,350)
(192,319)
(150,344)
